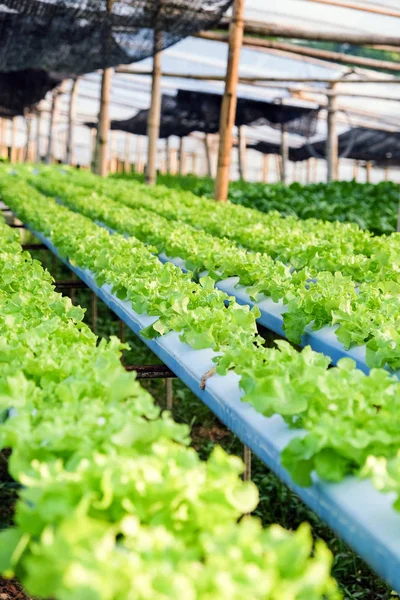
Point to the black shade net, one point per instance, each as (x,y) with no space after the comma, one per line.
(20,91)
(207,106)
(359,143)
(271,148)
(198,111)
(73,37)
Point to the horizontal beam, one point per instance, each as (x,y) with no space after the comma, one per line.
(365,7)
(256,79)
(151,371)
(302,33)
(330,55)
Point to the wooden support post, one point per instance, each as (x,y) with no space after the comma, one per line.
(181,156)
(242,152)
(169,398)
(112,153)
(308,170)
(94,312)
(167,156)
(386,173)
(194,163)
(4,137)
(332,139)
(265,168)
(138,157)
(284,154)
(13,149)
(73,97)
(38,135)
(103,126)
(368,168)
(355,169)
(127,162)
(229,101)
(207,153)
(28,123)
(51,124)
(153,122)
(247,463)
(92,145)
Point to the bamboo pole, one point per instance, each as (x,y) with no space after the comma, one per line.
(181,156)
(167,156)
(261,79)
(54,113)
(194,163)
(138,158)
(73,97)
(301,33)
(242,152)
(127,163)
(229,101)
(355,169)
(284,153)
(28,122)
(265,168)
(332,138)
(153,122)
(368,168)
(101,159)
(308,170)
(386,173)
(13,153)
(381,10)
(207,153)
(38,135)
(338,57)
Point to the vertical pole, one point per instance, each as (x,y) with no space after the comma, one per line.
(181,156)
(52,123)
(284,153)
(169,394)
(355,169)
(92,143)
(242,152)
(315,170)
(167,156)
(38,135)
(4,136)
(387,173)
(207,153)
(265,168)
(127,164)
(247,463)
(194,163)
(308,170)
(103,126)
(138,165)
(229,101)
(332,139)
(153,122)
(13,150)
(368,168)
(28,123)
(94,312)
(73,96)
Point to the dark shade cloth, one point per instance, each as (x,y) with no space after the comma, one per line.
(359,143)
(79,36)
(20,91)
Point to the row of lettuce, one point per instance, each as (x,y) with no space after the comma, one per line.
(113,503)
(371,206)
(325,274)
(351,421)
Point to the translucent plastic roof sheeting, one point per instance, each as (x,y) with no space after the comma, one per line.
(22,90)
(79,36)
(359,143)
(323,17)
